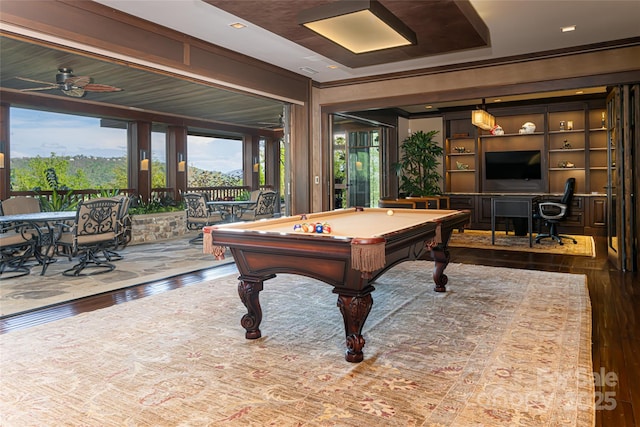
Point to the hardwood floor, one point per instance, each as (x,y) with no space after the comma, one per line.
(615,299)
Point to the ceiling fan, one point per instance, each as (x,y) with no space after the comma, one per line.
(279,125)
(71,85)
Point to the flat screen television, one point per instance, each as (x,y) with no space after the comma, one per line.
(513,165)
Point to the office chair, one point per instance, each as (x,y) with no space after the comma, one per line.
(552,213)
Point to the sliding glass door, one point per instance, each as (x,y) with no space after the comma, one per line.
(356,167)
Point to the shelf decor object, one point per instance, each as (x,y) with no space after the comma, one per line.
(497,130)
(527,128)
(566,165)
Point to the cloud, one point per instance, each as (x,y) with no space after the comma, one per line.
(40,133)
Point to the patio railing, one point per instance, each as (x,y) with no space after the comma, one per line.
(214,193)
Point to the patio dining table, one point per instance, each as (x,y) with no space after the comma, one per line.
(231,210)
(47,224)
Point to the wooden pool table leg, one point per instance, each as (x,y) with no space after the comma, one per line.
(249,291)
(440,255)
(354,309)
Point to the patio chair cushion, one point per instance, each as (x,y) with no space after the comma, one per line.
(20,205)
(17,245)
(264,207)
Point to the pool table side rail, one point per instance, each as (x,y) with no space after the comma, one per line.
(261,254)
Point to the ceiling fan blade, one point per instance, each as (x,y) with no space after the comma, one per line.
(39,88)
(53,85)
(95,87)
(76,92)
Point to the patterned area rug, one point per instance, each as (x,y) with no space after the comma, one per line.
(141,263)
(481,239)
(501,347)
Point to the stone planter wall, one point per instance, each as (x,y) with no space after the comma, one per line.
(149,228)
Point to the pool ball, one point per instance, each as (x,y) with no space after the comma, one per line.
(389,212)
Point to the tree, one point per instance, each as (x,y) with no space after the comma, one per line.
(418,166)
(34,174)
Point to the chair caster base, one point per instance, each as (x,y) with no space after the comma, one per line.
(557,238)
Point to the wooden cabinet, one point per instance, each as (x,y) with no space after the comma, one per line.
(597,137)
(596,224)
(572,140)
(461,165)
(571,137)
(465,202)
(566,153)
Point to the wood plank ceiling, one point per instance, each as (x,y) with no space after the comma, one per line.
(142,90)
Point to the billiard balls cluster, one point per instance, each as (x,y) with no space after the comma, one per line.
(313,228)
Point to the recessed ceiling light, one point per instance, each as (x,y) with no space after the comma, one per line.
(569,28)
(428,107)
(238,25)
(333,67)
(580,92)
(497,100)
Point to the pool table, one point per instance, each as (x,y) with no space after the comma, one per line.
(362,243)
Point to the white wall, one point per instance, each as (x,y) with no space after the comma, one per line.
(426,125)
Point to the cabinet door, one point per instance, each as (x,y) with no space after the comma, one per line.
(598,212)
(464,202)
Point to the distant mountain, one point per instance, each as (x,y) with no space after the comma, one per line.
(237,174)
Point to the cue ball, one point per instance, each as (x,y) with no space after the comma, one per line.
(389,212)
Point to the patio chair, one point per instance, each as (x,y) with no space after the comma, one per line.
(17,245)
(123,236)
(20,205)
(198,213)
(94,232)
(264,207)
(124,220)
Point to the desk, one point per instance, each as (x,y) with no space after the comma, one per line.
(362,245)
(426,202)
(231,210)
(40,221)
(512,207)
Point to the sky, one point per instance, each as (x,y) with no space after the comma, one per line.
(40,133)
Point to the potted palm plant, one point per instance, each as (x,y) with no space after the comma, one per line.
(418,165)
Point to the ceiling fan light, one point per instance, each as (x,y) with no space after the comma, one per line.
(360,25)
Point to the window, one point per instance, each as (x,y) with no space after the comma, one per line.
(85,152)
(214,162)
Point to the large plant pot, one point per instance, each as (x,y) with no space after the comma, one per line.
(158,226)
